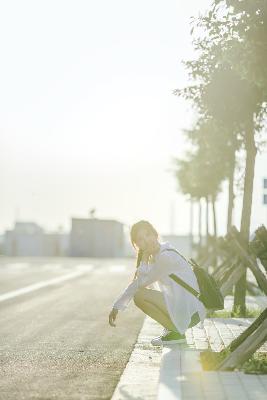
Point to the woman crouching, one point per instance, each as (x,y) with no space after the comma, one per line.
(174,307)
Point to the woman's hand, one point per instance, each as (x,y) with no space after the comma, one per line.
(112,316)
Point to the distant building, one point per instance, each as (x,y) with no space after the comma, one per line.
(2,250)
(55,244)
(181,242)
(129,250)
(27,239)
(93,237)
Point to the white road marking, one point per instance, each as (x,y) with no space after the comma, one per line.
(39,285)
(17,266)
(117,268)
(80,269)
(49,266)
(113,269)
(84,267)
(100,271)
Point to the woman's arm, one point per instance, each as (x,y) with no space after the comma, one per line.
(144,278)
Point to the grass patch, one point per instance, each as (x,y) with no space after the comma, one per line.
(257,364)
(250,313)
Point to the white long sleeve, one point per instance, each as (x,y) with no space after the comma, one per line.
(146,275)
(180,303)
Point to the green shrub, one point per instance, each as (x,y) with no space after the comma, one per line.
(250,313)
(257,364)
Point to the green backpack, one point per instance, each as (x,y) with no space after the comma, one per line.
(210,294)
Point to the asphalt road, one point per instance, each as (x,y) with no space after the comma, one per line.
(55,339)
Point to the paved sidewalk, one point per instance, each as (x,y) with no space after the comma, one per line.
(174,372)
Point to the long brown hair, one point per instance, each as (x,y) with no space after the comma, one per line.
(133,234)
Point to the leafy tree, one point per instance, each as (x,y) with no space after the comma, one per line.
(231,88)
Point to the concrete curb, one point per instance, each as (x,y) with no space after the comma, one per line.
(139,380)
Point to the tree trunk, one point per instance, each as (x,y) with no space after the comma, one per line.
(231,196)
(248,261)
(191,221)
(251,151)
(247,332)
(214,217)
(227,286)
(199,223)
(215,258)
(207,218)
(246,349)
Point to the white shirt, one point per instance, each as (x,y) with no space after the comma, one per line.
(180,303)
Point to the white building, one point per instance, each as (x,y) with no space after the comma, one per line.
(93,237)
(27,239)
(181,242)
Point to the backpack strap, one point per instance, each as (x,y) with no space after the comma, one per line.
(180,281)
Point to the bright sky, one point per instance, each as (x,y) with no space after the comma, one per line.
(88,118)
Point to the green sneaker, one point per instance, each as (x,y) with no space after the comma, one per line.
(171,337)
